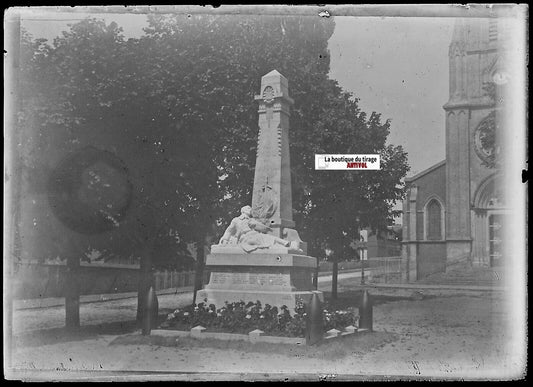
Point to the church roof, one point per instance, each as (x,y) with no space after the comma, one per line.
(425,171)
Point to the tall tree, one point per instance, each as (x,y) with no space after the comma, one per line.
(176,107)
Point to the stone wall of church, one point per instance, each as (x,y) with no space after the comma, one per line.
(421,256)
(430,185)
(431,258)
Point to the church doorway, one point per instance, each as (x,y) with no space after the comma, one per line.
(490,215)
(496,233)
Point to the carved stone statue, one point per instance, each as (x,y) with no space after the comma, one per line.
(249,233)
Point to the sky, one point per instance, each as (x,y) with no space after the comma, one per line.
(396,66)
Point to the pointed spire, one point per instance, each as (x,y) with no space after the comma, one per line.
(458,30)
(459,37)
(273,72)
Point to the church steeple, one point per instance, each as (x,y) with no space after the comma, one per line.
(457,55)
(473,55)
(459,36)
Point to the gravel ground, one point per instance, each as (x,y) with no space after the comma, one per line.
(439,336)
(27,320)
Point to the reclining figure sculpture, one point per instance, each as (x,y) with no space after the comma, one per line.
(249,233)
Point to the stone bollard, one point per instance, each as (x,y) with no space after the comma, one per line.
(151,311)
(365,312)
(314,331)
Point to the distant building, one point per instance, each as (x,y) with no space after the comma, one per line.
(383,243)
(454,210)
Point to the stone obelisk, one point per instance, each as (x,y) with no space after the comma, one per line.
(278,274)
(272,194)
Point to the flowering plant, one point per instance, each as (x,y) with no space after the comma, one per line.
(241,317)
(338,319)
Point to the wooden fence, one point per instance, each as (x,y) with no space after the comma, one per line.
(386,269)
(36,280)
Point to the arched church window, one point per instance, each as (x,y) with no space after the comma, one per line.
(433,216)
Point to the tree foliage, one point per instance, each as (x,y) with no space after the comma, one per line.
(176,107)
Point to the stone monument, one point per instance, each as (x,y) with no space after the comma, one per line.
(261,256)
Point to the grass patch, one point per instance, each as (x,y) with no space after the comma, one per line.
(338,348)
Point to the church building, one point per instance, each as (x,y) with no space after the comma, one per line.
(454,210)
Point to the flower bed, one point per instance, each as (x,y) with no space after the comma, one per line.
(242,318)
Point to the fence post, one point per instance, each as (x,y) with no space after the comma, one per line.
(313,322)
(151,311)
(365,312)
(159,281)
(72,293)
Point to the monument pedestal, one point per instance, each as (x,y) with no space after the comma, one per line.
(274,279)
